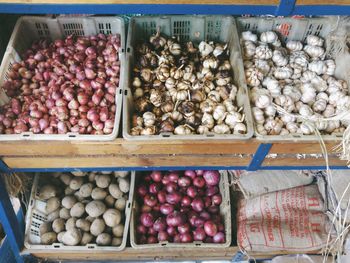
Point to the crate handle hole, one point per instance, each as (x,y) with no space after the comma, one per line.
(25,135)
(91,247)
(166,135)
(210,135)
(72,136)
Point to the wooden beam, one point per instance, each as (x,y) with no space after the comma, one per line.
(322,2)
(293,161)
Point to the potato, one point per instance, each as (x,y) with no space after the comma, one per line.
(115,191)
(86,239)
(52,204)
(98,194)
(90,219)
(103,239)
(112,217)
(45,227)
(97,227)
(70,224)
(91,177)
(76,183)
(120,204)
(72,237)
(102,180)
(69,201)
(86,189)
(78,196)
(47,191)
(48,238)
(53,215)
(65,178)
(109,201)
(118,230)
(95,208)
(68,191)
(117,241)
(78,173)
(59,236)
(77,210)
(58,225)
(83,224)
(121,174)
(124,185)
(65,213)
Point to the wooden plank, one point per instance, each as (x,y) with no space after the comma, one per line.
(301,147)
(323,2)
(183,2)
(126,161)
(293,161)
(121,146)
(153,254)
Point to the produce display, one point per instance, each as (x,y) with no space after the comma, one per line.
(85,209)
(184,88)
(293,88)
(179,207)
(68,85)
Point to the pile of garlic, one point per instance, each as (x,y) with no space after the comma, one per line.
(184,89)
(298,79)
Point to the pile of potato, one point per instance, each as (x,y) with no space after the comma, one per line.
(85,208)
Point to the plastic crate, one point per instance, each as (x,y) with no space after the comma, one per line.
(225,212)
(37,215)
(188,28)
(291,29)
(29,29)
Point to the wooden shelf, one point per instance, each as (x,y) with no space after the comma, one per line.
(153,2)
(123,153)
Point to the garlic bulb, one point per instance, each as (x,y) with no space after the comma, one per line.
(273,126)
(253,76)
(268,37)
(308,93)
(248,35)
(219,49)
(232,118)
(182,130)
(319,105)
(208,120)
(249,49)
(306,128)
(294,45)
(229,105)
(292,92)
(305,110)
(205,49)
(318,66)
(222,129)
(203,129)
(263,66)
(149,119)
(308,76)
(273,86)
(330,64)
(155,97)
(263,52)
(313,40)
(261,129)
(270,110)
(298,59)
(287,118)
(263,101)
(239,128)
(219,113)
(329,111)
(314,51)
(258,115)
(279,59)
(283,73)
(210,62)
(292,127)
(138,93)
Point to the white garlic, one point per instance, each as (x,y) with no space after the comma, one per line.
(203,129)
(270,110)
(263,101)
(222,129)
(182,130)
(214,96)
(313,40)
(175,48)
(329,111)
(299,59)
(306,128)
(177,116)
(258,115)
(136,82)
(249,49)
(189,76)
(332,125)
(292,92)
(248,35)
(294,45)
(322,96)
(284,131)
(335,97)
(229,105)
(305,110)
(279,59)
(219,49)
(232,118)
(155,97)
(273,86)
(207,106)
(138,93)
(239,128)
(268,37)
(297,71)
(262,65)
(149,118)
(205,49)
(343,103)
(210,63)
(314,51)
(219,113)
(308,76)
(330,67)
(208,120)
(181,95)
(319,105)
(170,83)
(263,52)
(261,129)
(292,127)
(253,76)
(273,126)
(151,130)
(286,118)
(208,86)
(308,92)
(318,66)
(283,72)
(319,84)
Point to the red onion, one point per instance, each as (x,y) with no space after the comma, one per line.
(221,227)
(213,209)
(83,98)
(143,239)
(166,209)
(171,230)
(186,201)
(159,224)
(199,182)
(173,198)
(190,173)
(184,228)
(199,234)
(175,219)
(207,201)
(165,180)
(205,215)
(173,177)
(142,190)
(211,177)
(156,176)
(177,238)
(186,238)
(184,181)
(171,187)
(147,219)
(216,199)
(198,222)
(199,172)
(150,200)
(161,196)
(163,236)
(151,231)
(192,191)
(219,238)
(211,190)
(152,240)
(146,209)
(210,228)
(154,188)
(73,105)
(197,204)
(141,229)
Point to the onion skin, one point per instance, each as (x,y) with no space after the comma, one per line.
(210,228)
(212,178)
(147,219)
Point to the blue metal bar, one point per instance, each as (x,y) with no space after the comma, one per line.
(3,167)
(321,10)
(285,8)
(135,9)
(259,156)
(10,223)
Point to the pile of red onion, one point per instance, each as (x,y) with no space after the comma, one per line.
(180,207)
(65,86)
